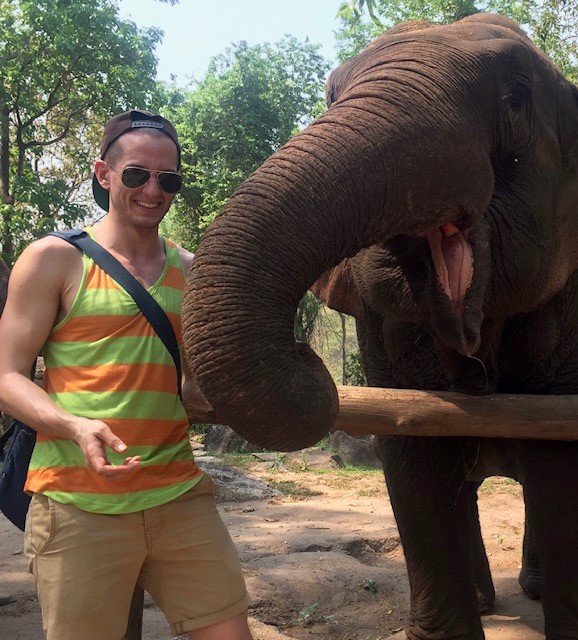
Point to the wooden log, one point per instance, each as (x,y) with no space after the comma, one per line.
(365,410)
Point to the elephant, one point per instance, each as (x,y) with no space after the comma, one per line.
(436,200)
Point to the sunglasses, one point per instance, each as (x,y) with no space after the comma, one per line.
(133,177)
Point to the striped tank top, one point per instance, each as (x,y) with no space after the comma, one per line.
(105,361)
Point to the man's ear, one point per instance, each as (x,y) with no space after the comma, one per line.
(102,173)
(336,287)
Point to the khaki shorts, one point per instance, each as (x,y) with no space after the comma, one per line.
(86,565)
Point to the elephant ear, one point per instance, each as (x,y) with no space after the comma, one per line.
(337,289)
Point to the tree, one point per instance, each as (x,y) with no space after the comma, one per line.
(555,31)
(306,317)
(65,63)
(249,103)
(552,24)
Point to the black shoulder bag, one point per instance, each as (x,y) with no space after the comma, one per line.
(15,456)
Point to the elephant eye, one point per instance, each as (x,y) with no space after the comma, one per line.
(519,93)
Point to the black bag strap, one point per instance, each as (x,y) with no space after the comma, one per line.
(150,308)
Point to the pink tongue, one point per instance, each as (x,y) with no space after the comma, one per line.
(453,261)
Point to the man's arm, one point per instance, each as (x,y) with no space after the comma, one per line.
(44,279)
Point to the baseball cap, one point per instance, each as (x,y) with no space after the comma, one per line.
(121,124)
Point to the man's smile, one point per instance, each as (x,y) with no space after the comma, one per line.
(147,205)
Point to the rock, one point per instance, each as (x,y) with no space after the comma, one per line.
(315,459)
(269,456)
(347,449)
(204,459)
(220,438)
(39,370)
(354,450)
(301,460)
(197,447)
(233,485)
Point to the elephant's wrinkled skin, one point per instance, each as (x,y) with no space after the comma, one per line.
(446,164)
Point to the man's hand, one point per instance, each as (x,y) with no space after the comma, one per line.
(92,436)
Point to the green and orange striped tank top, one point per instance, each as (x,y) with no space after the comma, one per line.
(105,361)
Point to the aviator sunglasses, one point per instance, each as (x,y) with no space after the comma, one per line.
(133,177)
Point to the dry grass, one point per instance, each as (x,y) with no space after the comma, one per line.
(497,484)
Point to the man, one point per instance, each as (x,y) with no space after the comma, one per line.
(116,495)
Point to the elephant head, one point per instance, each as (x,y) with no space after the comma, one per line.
(452,149)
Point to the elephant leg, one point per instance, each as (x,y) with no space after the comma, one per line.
(485,591)
(530,578)
(426,480)
(551,491)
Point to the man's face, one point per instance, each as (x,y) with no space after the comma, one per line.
(148,204)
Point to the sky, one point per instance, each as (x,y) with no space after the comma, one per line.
(197,30)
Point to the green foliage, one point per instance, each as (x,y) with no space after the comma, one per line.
(369,584)
(354,35)
(64,62)
(249,103)
(552,24)
(354,374)
(306,316)
(556,33)
(198,429)
(385,13)
(358,31)
(311,614)
(306,614)
(333,339)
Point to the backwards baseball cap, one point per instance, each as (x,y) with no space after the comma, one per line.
(121,124)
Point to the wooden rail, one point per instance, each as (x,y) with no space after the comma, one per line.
(364,410)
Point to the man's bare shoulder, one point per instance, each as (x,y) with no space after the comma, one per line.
(43,281)
(49,267)
(50,254)
(186,258)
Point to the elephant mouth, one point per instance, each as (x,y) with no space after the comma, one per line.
(453,261)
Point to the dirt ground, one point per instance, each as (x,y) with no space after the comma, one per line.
(323,561)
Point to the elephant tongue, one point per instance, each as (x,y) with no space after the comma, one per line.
(453,261)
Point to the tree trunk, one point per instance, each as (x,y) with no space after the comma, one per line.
(343,319)
(6,198)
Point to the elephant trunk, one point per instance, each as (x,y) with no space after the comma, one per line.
(342,184)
